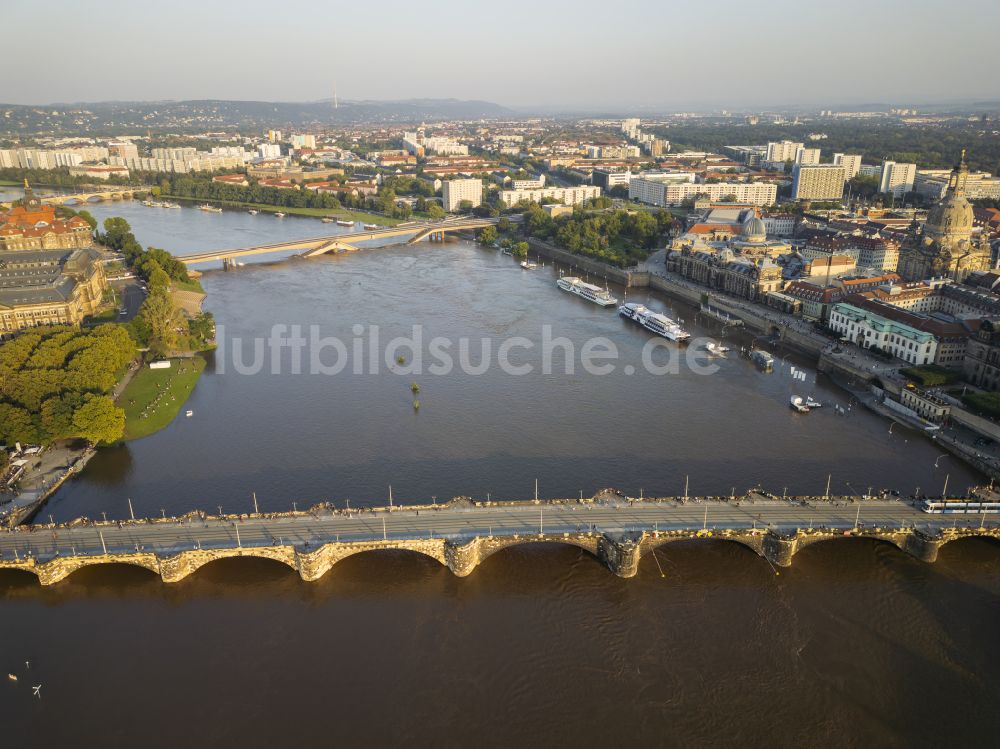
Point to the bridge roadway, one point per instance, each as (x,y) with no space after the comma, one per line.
(461,534)
(321,245)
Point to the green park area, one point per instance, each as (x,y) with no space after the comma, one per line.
(154,397)
(343,213)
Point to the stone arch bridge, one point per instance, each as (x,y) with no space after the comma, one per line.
(461,534)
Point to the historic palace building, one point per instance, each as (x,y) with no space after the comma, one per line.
(49,273)
(34,226)
(945,245)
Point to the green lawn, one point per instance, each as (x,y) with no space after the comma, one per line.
(192,284)
(370,218)
(154,397)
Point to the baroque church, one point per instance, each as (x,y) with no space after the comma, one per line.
(944,246)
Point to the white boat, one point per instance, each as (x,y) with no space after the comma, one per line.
(655,322)
(528,265)
(798,404)
(12,677)
(189,414)
(813,403)
(279,214)
(371,227)
(171,205)
(342,222)
(588,291)
(326,220)
(252,211)
(716,349)
(210,208)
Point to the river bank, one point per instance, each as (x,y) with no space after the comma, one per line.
(336,213)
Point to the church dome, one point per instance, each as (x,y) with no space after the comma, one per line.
(953,215)
(754,230)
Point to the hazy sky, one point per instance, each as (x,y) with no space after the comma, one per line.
(568,53)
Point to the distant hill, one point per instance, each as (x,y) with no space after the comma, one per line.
(199,115)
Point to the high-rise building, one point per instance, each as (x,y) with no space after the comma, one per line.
(851,163)
(818,182)
(454,191)
(779,153)
(808,156)
(897,178)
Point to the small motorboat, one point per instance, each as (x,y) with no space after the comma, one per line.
(326,220)
(342,222)
(189,413)
(798,404)
(252,211)
(528,265)
(813,403)
(279,214)
(371,227)
(12,677)
(716,349)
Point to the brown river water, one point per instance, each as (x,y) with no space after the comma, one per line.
(855,644)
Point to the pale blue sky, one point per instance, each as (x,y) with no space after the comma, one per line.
(565,53)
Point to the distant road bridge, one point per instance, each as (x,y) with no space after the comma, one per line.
(616,530)
(115,193)
(346,242)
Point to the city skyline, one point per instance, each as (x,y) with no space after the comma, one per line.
(781,55)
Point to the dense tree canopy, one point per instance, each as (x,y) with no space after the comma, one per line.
(55,383)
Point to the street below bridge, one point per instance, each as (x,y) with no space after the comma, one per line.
(462,521)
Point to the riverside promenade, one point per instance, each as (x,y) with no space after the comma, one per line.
(460,534)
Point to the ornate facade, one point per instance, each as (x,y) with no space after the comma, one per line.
(34,226)
(945,246)
(49,287)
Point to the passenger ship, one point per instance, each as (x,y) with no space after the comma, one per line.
(588,291)
(653,321)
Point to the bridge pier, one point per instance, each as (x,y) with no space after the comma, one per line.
(778,550)
(923,547)
(620,555)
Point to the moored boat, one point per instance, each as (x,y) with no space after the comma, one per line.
(798,404)
(326,220)
(279,214)
(588,291)
(209,208)
(655,322)
(716,349)
(370,227)
(252,211)
(342,222)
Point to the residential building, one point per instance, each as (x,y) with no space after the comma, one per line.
(851,163)
(269,151)
(566,195)
(454,191)
(818,182)
(808,156)
(779,153)
(654,192)
(897,178)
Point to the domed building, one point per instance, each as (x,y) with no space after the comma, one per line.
(945,246)
(754,231)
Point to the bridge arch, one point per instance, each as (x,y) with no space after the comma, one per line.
(312,565)
(175,568)
(60,568)
(487,547)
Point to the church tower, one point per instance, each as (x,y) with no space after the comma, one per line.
(944,246)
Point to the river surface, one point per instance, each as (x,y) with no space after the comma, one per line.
(855,644)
